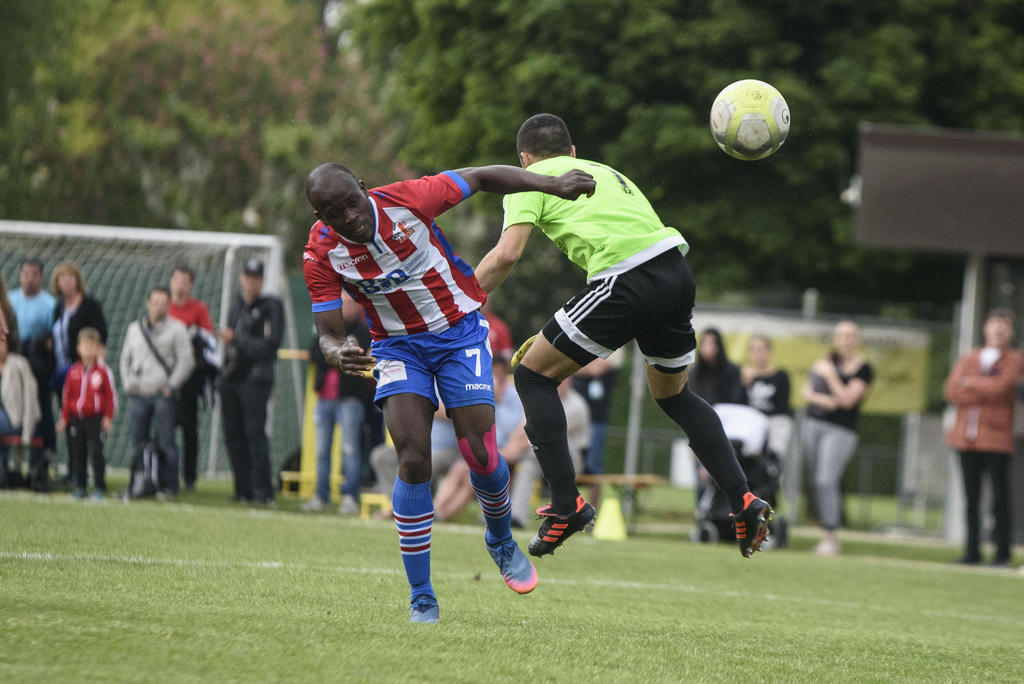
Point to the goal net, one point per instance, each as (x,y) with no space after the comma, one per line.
(121,264)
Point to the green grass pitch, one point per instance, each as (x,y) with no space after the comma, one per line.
(181,592)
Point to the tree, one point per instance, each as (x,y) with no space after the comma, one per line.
(635,79)
(193,115)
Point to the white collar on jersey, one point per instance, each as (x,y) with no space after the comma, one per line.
(376,226)
(376,221)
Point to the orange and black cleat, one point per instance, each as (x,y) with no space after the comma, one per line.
(557,528)
(752,524)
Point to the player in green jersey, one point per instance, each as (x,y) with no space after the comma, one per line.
(639,286)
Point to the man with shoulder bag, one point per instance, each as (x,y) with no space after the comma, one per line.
(156,360)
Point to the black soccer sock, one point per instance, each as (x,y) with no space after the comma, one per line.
(707,439)
(546,428)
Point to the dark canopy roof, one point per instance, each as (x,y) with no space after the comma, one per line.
(941,190)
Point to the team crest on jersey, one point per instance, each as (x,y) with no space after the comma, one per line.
(402,232)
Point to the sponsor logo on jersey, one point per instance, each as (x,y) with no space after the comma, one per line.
(352,262)
(384,284)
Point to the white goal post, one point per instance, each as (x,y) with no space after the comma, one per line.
(120,264)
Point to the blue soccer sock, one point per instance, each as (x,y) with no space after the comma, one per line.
(492,493)
(414,515)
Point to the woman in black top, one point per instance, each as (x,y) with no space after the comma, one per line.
(75,310)
(713,377)
(767,387)
(767,390)
(716,380)
(836,387)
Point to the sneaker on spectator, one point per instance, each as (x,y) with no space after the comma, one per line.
(348,506)
(313,505)
(827,547)
(98,495)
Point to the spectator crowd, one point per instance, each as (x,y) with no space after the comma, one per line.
(55,379)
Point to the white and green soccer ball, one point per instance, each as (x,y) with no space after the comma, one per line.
(749,119)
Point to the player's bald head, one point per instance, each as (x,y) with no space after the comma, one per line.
(326,181)
(544,135)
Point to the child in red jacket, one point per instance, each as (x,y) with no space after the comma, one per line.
(86,411)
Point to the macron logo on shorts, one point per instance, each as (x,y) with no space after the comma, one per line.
(471,386)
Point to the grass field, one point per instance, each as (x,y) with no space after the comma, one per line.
(187,591)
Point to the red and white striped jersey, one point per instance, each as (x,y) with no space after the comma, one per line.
(407,279)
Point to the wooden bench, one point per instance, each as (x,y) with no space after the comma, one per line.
(635,481)
(627,485)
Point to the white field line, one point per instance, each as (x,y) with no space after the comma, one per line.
(177,508)
(588,582)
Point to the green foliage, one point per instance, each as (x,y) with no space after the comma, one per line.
(191,115)
(635,80)
(183,113)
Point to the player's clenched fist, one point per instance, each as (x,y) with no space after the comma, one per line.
(572,184)
(350,358)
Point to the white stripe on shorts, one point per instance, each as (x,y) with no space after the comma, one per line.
(574,333)
(591,299)
(678,362)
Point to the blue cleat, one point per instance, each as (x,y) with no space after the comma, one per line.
(424,609)
(516,569)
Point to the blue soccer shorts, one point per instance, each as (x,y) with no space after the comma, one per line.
(455,363)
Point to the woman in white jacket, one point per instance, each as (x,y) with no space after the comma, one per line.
(19,404)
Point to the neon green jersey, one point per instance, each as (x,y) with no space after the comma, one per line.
(609,233)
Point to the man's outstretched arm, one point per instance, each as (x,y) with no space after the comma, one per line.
(505,180)
(498,263)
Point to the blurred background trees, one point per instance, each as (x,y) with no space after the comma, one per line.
(193,115)
(208,116)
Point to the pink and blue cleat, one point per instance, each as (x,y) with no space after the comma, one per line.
(516,569)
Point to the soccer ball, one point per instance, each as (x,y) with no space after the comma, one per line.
(749,119)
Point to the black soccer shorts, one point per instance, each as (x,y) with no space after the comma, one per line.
(651,303)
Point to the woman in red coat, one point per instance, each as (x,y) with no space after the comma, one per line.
(984,385)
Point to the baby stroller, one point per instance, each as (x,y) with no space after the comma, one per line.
(747,430)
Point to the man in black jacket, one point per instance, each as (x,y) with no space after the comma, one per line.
(253,335)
